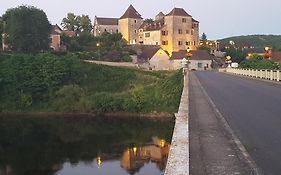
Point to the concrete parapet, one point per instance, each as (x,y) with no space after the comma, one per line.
(178,160)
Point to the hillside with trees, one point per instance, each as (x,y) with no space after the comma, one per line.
(262,41)
(50,83)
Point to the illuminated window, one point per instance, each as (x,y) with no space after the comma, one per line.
(187,43)
(147,35)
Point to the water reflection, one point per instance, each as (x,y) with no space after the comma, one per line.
(66,146)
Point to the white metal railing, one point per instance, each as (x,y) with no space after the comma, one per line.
(274,75)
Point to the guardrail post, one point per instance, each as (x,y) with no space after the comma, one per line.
(271,75)
(278,75)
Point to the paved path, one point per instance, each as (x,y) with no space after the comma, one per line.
(253,110)
(212,148)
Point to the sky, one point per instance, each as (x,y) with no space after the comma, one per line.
(218,18)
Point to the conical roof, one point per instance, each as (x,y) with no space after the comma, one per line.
(131,12)
(178,12)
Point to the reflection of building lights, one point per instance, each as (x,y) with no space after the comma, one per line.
(162,143)
(99,161)
(135,149)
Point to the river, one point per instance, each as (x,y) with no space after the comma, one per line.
(83,145)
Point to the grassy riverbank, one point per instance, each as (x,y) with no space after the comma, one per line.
(49,83)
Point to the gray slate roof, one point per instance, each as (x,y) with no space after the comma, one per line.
(107,21)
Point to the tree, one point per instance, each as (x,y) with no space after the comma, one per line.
(149,21)
(77,23)
(28,29)
(204,37)
(1,30)
(85,24)
(237,55)
(70,22)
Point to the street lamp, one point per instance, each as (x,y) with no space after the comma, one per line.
(98,46)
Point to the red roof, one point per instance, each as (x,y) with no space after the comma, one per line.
(131,12)
(196,55)
(276,56)
(69,33)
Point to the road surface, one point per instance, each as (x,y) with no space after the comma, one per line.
(252,108)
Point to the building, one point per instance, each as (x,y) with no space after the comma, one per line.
(180,31)
(102,25)
(154,58)
(199,59)
(129,24)
(55,37)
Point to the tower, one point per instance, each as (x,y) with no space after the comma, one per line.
(129,24)
(180,31)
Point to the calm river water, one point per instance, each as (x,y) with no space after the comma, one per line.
(83,146)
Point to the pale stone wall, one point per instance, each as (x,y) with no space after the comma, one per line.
(123,27)
(153,39)
(99,29)
(200,64)
(129,28)
(160,61)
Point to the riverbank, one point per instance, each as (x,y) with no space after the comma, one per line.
(65,84)
(162,116)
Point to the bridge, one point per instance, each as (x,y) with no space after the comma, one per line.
(233,126)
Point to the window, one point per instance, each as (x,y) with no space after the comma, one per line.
(194,43)
(135,21)
(116,30)
(164,42)
(192,32)
(179,43)
(199,65)
(187,43)
(156,43)
(104,30)
(164,33)
(180,31)
(187,31)
(147,35)
(135,31)
(183,19)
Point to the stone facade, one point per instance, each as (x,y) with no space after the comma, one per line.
(102,25)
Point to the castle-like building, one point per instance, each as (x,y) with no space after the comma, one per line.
(173,32)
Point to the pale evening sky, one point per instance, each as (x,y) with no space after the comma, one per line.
(218,18)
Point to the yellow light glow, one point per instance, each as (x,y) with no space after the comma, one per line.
(135,149)
(162,143)
(98,44)
(99,161)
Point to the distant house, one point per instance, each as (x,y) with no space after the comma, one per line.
(253,51)
(69,33)
(55,37)
(102,25)
(154,58)
(276,56)
(199,59)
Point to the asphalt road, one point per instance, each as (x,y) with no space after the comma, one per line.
(253,110)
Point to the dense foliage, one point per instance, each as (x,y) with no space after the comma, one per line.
(257,62)
(237,55)
(107,47)
(28,29)
(77,23)
(46,82)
